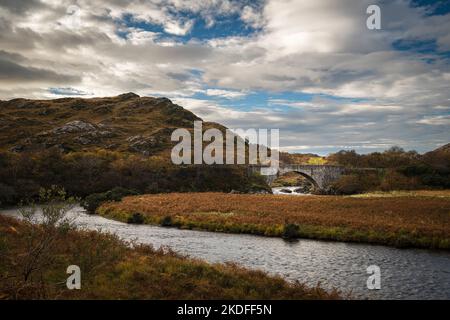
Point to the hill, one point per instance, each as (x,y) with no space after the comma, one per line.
(94,146)
(302,158)
(445,149)
(439,159)
(126,122)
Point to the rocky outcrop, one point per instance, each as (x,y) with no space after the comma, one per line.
(77,131)
(306,188)
(75,127)
(142,144)
(147,144)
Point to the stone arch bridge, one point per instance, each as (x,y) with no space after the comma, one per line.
(321,176)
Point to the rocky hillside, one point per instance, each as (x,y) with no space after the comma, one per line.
(444,149)
(124,123)
(439,159)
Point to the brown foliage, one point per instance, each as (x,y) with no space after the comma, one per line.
(112,270)
(417,217)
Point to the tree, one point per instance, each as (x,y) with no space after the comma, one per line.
(44,225)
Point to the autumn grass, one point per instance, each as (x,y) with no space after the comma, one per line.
(111,269)
(406,193)
(405,221)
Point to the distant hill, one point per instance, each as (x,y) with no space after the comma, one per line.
(302,158)
(439,158)
(126,122)
(443,149)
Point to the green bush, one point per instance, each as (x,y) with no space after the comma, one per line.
(290,231)
(166,221)
(118,193)
(394,180)
(136,218)
(356,183)
(84,173)
(348,184)
(93,201)
(436,180)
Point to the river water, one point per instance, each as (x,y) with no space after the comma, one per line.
(291,191)
(405,273)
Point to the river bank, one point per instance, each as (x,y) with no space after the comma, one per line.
(421,222)
(111,269)
(406,273)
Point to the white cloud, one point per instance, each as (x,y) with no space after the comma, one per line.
(436,121)
(139,36)
(228,94)
(178,29)
(318,47)
(252,17)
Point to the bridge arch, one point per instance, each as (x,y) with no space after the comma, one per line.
(300,173)
(321,176)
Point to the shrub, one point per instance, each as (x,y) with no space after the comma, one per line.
(436,180)
(355,183)
(113,270)
(166,221)
(349,184)
(415,170)
(394,180)
(136,218)
(38,253)
(290,231)
(93,201)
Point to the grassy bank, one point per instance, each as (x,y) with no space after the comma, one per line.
(406,193)
(112,270)
(406,221)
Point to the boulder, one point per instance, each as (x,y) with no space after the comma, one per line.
(303,189)
(75,126)
(143,144)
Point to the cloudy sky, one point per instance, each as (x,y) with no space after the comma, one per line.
(310,68)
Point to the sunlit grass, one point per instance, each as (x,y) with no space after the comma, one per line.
(412,193)
(402,221)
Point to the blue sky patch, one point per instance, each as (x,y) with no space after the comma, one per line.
(68,92)
(224,26)
(434,7)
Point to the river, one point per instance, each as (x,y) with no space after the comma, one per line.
(291,191)
(405,273)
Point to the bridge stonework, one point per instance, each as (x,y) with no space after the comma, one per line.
(320,175)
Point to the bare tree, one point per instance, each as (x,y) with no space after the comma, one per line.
(45,223)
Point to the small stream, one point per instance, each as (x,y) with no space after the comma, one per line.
(405,273)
